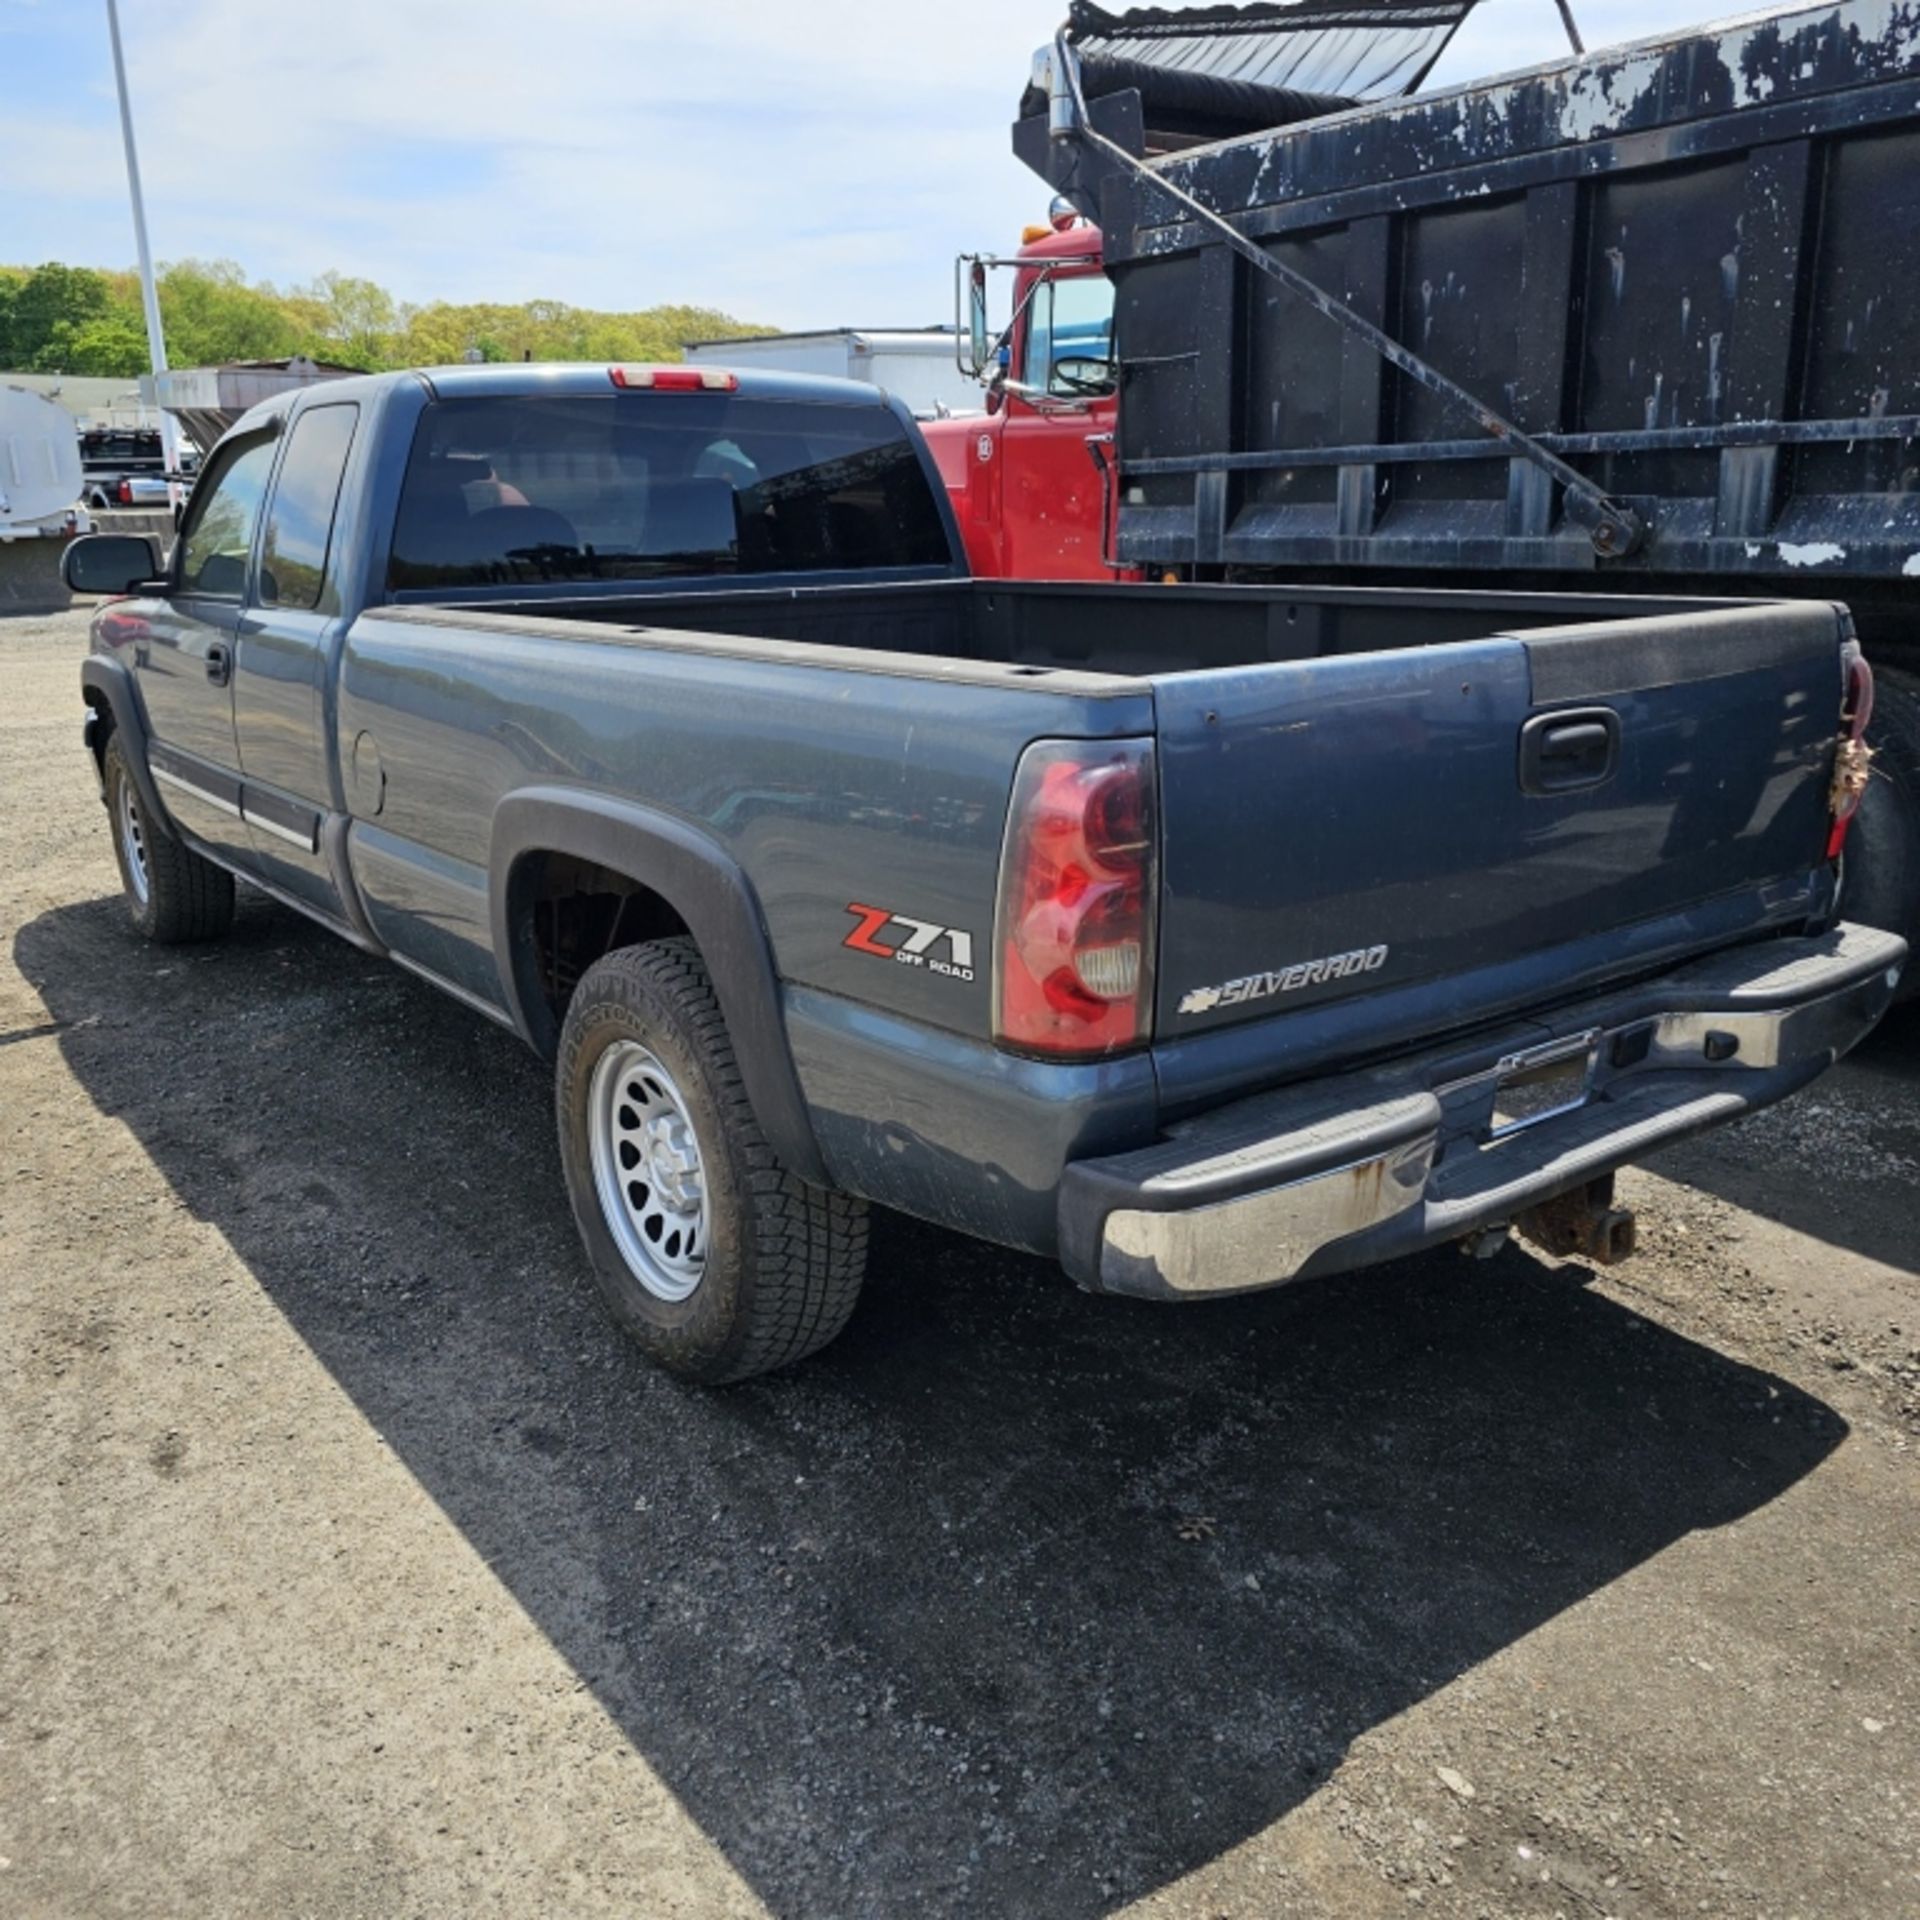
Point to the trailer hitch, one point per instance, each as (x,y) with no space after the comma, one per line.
(1583,1224)
(1613,527)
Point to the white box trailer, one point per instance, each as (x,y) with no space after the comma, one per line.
(39,468)
(916,366)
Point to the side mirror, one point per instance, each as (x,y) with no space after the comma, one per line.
(979,340)
(109,563)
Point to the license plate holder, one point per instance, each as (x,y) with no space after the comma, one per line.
(1542,1083)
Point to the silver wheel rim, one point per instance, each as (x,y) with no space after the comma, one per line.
(647,1171)
(133,843)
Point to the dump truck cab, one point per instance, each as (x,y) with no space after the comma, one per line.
(1030,477)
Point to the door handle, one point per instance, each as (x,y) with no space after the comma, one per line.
(1565,752)
(219,663)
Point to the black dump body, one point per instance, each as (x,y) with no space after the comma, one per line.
(1690,268)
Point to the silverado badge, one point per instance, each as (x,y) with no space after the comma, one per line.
(1303,973)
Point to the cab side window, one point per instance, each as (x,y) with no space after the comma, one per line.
(1070,336)
(218,533)
(293,557)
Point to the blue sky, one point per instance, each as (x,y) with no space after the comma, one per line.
(793,163)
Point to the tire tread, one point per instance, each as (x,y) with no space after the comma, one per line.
(188,897)
(809,1244)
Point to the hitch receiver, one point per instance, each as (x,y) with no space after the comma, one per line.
(1581,1225)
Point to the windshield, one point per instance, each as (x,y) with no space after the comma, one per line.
(634,486)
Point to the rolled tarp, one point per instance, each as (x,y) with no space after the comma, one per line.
(1213,72)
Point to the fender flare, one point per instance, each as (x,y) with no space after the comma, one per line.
(705,886)
(114,684)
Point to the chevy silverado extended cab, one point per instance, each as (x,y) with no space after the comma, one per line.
(1200,937)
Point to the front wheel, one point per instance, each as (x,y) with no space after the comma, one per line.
(719,1261)
(173,894)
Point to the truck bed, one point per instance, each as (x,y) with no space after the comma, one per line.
(1061,627)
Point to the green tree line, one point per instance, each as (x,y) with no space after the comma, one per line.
(83,320)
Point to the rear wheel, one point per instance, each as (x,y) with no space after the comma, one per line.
(172,893)
(1882,884)
(719,1261)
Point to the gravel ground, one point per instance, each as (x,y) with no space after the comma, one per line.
(350,1565)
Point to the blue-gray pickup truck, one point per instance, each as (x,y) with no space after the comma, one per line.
(1199,937)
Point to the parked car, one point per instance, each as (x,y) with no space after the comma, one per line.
(110,455)
(127,467)
(1200,939)
(142,490)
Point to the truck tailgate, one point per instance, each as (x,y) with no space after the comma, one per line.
(1360,824)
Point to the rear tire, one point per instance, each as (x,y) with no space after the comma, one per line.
(1882,873)
(717,1260)
(173,894)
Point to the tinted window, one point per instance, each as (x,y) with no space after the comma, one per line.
(638,486)
(220,520)
(293,558)
(126,447)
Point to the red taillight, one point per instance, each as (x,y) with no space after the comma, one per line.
(1073,935)
(675,379)
(1852,757)
(126,493)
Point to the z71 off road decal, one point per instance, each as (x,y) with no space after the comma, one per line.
(916,950)
(1304,973)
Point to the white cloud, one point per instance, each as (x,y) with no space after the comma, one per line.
(791,163)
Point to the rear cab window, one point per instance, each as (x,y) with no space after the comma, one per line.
(644,486)
(293,555)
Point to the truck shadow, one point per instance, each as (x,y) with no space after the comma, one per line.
(1861,1126)
(1013,1602)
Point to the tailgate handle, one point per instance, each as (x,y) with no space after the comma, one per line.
(1566,752)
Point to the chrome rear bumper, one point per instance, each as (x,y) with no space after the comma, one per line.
(1334,1175)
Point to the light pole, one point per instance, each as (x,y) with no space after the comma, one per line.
(149,298)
